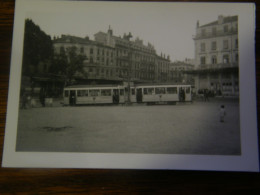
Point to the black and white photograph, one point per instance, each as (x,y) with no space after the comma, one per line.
(132,85)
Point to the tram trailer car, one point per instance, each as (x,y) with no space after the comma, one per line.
(170,94)
(111,94)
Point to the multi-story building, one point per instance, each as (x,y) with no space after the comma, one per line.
(115,58)
(162,68)
(134,59)
(100,62)
(178,72)
(217,56)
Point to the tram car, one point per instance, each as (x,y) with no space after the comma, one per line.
(117,94)
(94,94)
(156,93)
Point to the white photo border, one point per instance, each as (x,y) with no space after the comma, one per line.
(247,161)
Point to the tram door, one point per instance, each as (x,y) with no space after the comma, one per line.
(115,96)
(139,95)
(72,97)
(181,94)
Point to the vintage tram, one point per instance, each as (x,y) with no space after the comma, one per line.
(118,94)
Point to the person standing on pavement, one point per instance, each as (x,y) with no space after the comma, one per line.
(222,113)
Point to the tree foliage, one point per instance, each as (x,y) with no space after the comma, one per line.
(37,48)
(68,63)
(38,51)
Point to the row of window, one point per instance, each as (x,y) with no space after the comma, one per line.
(146,91)
(99,51)
(144,57)
(103,61)
(143,48)
(101,71)
(120,63)
(214,31)
(144,66)
(136,56)
(143,75)
(110,60)
(83,50)
(164,90)
(214,45)
(94,92)
(226,84)
(225,59)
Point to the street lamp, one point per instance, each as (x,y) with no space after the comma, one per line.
(129,73)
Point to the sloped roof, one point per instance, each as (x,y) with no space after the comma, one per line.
(71,39)
(227,19)
(74,39)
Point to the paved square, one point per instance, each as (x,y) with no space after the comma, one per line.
(176,129)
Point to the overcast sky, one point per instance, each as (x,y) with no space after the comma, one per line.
(168,26)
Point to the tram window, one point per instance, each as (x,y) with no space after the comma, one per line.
(115,91)
(187,89)
(159,90)
(122,92)
(82,93)
(106,92)
(172,90)
(150,91)
(133,91)
(94,92)
(145,91)
(66,93)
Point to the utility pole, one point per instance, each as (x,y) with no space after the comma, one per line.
(129,73)
(129,68)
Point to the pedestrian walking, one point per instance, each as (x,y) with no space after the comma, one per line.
(29,103)
(222,113)
(206,95)
(42,98)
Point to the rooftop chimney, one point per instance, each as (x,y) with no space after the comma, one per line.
(110,31)
(220,19)
(198,23)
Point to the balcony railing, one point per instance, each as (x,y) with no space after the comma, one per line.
(210,34)
(217,66)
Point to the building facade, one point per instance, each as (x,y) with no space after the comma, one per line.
(217,56)
(100,62)
(136,60)
(178,72)
(115,58)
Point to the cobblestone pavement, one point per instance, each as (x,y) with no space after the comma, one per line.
(176,129)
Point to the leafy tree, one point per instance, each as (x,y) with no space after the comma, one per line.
(68,63)
(38,51)
(37,48)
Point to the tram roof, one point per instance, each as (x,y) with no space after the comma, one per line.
(89,86)
(159,84)
(115,85)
